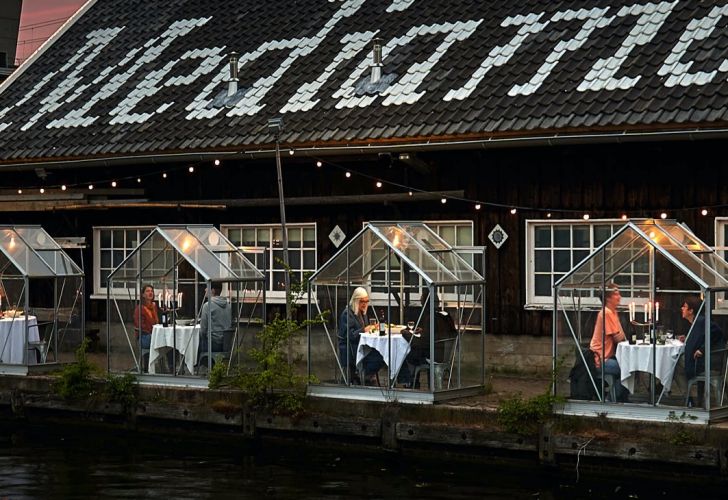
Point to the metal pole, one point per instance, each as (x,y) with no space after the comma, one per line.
(281,203)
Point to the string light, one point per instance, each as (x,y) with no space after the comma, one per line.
(624,216)
(63,187)
(477,206)
(113,184)
(216,162)
(291,152)
(348,174)
(379,184)
(663,215)
(164,175)
(585,216)
(191,169)
(90,186)
(513,211)
(42,190)
(548,215)
(319,164)
(139,180)
(20,191)
(410,193)
(443,200)
(704,211)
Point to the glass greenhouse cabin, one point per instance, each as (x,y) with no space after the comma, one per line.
(177,337)
(41,298)
(629,320)
(416,283)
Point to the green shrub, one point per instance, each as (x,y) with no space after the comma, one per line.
(123,390)
(75,378)
(524,416)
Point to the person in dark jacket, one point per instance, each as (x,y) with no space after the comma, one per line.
(352,323)
(695,343)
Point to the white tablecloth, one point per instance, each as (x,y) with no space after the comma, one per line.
(638,358)
(186,341)
(12,338)
(399,351)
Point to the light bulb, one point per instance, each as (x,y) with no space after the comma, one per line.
(704,211)
(20,191)
(90,186)
(624,216)
(513,211)
(410,193)
(319,164)
(63,188)
(42,190)
(586,216)
(290,152)
(379,184)
(548,215)
(164,175)
(139,180)
(191,169)
(663,215)
(477,206)
(217,163)
(348,174)
(113,184)
(443,200)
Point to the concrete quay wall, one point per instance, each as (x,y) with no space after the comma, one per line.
(462,428)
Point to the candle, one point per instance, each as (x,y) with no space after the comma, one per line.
(631,311)
(179,299)
(649,311)
(645,318)
(159,299)
(657,312)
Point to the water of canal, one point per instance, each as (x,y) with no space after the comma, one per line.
(39,463)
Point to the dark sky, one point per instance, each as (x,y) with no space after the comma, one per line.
(39,20)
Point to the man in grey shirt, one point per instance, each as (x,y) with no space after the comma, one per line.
(215,318)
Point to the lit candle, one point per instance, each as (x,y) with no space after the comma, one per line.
(179,299)
(631,311)
(649,311)
(657,312)
(159,299)
(645,318)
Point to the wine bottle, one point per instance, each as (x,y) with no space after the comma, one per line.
(165,321)
(382,325)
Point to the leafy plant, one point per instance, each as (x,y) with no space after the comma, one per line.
(524,416)
(123,390)
(273,383)
(217,374)
(678,432)
(75,379)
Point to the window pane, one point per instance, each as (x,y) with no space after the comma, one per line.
(309,237)
(131,239)
(278,259)
(562,237)
(294,238)
(118,239)
(309,260)
(562,260)
(277,238)
(641,265)
(581,237)
(465,236)
(263,237)
(105,238)
(543,285)
(294,259)
(118,256)
(542,260)
(279,282)
(105,259)
(580,255)
(543,237)
(601,234)
(248,237)
(448,234)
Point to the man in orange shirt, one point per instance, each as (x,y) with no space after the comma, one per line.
(607,334)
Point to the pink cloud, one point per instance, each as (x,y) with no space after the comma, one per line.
(36,12)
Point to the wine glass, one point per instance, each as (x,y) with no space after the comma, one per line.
(373,323)
(670,335)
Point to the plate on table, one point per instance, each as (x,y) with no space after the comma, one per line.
(184,322)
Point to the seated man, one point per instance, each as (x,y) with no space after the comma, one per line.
(420,346)
(695,343)
(607,334)
(215,319)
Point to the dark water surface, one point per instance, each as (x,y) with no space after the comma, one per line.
(37,462)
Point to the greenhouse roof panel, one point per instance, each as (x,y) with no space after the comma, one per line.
(34,253)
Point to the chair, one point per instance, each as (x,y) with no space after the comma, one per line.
(227,346)
(719,359)
(440,368)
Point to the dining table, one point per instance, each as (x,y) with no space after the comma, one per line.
(12,338)
(639,357)
(185,339)
(392,346)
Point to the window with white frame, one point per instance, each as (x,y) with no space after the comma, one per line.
(268,238)
(721,240)
(111,246)
(456,233)
(553,248)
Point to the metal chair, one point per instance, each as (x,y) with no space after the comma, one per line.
(440,368)
(719,359)
(217,356)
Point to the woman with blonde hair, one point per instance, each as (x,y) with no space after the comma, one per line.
(352,323)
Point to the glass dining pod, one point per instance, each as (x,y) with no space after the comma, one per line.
(183,301)
(41,300)
(640,327)
(396,314)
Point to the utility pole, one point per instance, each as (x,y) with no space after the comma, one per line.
(275,125)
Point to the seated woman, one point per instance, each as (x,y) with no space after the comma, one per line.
(146,315)
(352,323)
(607,334)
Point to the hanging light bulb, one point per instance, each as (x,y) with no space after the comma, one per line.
(63,187)
(477,206)
(113,184)
(139,180)
(216,162)
(90,186)
(379,184)
(410,193)
(42,190)
(663,215)
(348,174)
(513,211)
(319,164)
(585,216)
(443,200)
(548,215)
(291,152)
(191,169)
(624,216)
(164,175)
(20,191)
(704,211)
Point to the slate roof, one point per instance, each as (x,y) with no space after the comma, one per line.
(141,77)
